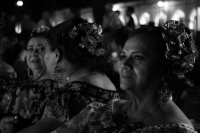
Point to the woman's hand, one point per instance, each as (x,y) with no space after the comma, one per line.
(7,124)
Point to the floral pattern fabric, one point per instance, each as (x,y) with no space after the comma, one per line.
(96,118)
(69,100)
(28,100)
(7,82)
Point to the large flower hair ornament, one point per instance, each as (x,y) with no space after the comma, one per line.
(181,49)
(90,37)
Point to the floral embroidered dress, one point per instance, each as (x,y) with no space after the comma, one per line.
(69,100)
(7,82)
(96,118)
(28,100)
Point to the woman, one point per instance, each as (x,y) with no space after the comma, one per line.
(8,77)
(28,100)
(75,57)
(150,58)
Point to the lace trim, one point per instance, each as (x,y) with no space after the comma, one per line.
(8,75)
(167,126)
(82,82)
(89,90)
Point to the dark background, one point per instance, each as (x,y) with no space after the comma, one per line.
(36,7)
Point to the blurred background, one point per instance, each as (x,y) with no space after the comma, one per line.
(145,11)
(19,17)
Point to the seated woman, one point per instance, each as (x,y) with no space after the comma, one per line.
(150,59)
(75,57)
(8,77)
(28,100)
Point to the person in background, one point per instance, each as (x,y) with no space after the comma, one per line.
(27,23)
(110,19)
(24,105)
(129,19)
(75,57)
(150,58)
(45,20)
(151,24)
(8,77)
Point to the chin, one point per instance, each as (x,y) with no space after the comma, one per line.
(36,67)
(126,85)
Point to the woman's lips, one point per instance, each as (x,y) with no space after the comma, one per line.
(35,61)
(125,75)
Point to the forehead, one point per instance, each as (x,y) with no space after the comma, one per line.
(37,41)
(139,43)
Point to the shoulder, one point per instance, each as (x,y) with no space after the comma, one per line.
(98,80)
(88,90)
(6,67)
(172,114)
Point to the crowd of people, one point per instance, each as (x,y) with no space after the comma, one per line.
(79,77)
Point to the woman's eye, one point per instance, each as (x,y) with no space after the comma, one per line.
(122,57)
(41,49)
(138,57)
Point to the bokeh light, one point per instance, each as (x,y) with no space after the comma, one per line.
(19,3)
(160,3)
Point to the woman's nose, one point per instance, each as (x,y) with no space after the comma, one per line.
(35,52)
(127,64)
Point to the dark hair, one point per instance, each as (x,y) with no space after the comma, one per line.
(122,34)
(41,35)
(70,47)
(39,32)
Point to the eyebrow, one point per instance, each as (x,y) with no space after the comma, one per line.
(137,52)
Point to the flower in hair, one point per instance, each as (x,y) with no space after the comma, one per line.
(181,49)
(41,29)
(90,37)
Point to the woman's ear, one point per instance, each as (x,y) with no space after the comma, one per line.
(57,55)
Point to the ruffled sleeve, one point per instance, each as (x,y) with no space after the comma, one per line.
(72,98)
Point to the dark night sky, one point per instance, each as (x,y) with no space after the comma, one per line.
(36,7)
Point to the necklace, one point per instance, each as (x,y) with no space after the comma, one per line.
(38,77)
(134,126)
(68,77)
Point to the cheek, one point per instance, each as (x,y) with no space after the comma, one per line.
(42,54)
(28,58)
(145,76)
(49,61)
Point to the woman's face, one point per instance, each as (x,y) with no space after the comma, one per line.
(139,65)
(35,53)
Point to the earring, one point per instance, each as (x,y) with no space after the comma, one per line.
(29,73)
(164,95)
(57,74)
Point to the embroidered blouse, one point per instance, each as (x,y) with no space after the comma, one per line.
(69,100)
(7,82)
(96,118)
(28,100)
